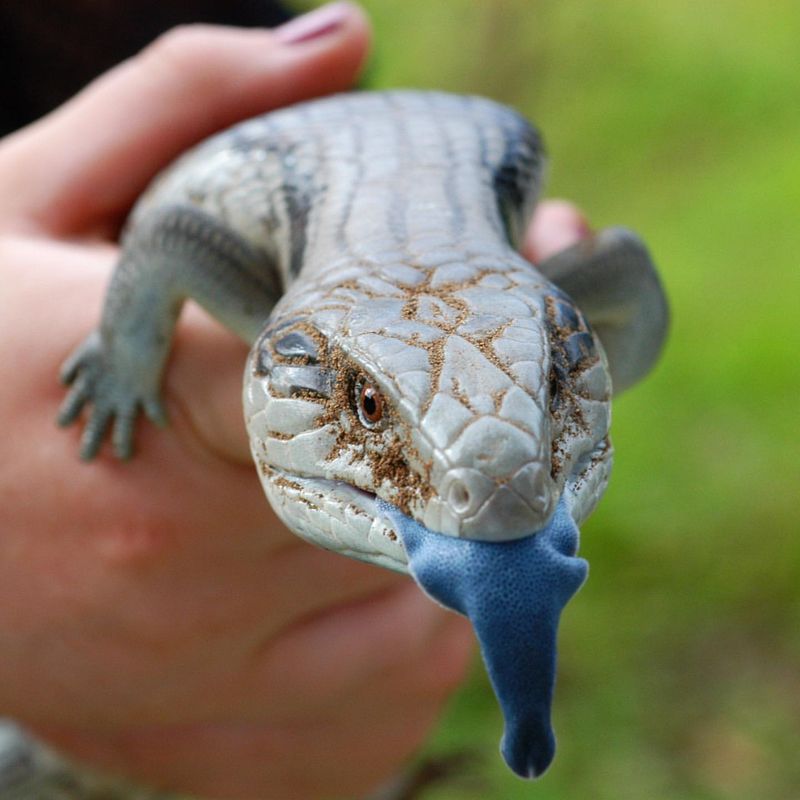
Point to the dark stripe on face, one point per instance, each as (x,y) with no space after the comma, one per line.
(297,345)
(265,362)
(287,381)
(572,345)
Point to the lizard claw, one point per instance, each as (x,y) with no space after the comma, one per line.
(74,402)
(94,432)
(154,411)
(122,437)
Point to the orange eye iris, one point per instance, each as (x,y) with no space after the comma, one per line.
(370,404)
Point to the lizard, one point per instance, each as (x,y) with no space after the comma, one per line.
(410,372)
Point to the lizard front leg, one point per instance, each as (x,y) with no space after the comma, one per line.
(172,253)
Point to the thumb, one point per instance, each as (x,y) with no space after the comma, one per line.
(81,167)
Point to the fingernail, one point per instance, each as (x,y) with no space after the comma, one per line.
(314,25)
(556,225)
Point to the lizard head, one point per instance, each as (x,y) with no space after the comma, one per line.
(472,407)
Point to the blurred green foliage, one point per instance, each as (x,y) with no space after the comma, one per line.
(680,658)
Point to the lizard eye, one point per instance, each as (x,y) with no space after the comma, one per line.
(369,403)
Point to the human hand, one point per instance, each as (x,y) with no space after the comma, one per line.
(156,619)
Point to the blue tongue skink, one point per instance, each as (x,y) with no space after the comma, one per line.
(366,246)
(513,594)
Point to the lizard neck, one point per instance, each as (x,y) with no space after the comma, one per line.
(401,222)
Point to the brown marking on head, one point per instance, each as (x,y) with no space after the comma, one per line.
(564,402)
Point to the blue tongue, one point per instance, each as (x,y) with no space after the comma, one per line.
(513,593)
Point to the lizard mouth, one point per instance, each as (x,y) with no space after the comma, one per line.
(336,515)
(348,519)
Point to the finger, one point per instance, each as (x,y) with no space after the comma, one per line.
(321,759)
(556,225)
(209,411)
(89,160)
(331,656)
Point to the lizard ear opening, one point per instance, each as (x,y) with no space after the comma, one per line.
(612,279)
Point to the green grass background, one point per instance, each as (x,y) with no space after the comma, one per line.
(680,658)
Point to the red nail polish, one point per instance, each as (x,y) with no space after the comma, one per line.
(314,25)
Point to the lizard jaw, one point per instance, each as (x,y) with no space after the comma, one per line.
(335,515)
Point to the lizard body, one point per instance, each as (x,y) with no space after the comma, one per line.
(411,374)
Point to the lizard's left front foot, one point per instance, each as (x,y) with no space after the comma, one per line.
(96,379)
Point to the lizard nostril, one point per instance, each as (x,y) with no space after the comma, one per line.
(459,497)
